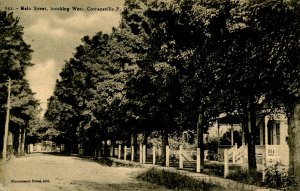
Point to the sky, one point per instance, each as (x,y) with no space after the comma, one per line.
(54,35)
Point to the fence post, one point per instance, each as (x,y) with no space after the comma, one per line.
(141,153)
(180,157)
(226,166)
(119,152)
(125,152)
(144,154)
(167,156)
(154,155)
(198,160)
(132,153)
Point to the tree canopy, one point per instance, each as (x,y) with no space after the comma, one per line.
(177,65)
(15,58)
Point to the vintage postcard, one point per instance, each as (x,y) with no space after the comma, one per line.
(149,95)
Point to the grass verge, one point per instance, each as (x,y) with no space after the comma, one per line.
(176,181)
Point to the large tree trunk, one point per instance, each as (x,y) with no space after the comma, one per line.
(200,130)
(6,127)
(165,142)
(105,148)
(249,124)
(294,141)
(251,141)
(20,142)
(22,150)
(16,142)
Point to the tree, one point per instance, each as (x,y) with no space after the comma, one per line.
(15,57)
(185,36)
(133,38)
(266,32)
(279,23)
(91,87)
(24,110)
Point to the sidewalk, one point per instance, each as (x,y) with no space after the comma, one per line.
(226,183)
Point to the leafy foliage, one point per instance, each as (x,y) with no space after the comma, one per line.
(15,56)
(176,65)
(278,176)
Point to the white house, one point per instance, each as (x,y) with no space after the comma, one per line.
(271,142)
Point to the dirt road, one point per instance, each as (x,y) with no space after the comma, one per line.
(45,172)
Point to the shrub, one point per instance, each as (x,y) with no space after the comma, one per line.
(214,170)
(277,176)
(175,181)
(105,161)
(253,177)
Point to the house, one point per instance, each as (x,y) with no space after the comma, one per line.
(270,142)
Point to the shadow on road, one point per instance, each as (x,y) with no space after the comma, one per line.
(54,153)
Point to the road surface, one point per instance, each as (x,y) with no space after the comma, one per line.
(45,172)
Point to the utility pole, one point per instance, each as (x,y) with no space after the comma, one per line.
(6,121)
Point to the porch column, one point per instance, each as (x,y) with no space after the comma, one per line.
(266,138)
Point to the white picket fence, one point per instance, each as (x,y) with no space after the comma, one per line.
(235,155)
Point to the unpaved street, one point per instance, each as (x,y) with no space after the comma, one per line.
(45,172)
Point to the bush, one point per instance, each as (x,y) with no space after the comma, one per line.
(214,170)
(105,161)
(253,178)
(277,176)
(175,181)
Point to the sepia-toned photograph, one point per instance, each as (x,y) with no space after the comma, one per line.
(142,95)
